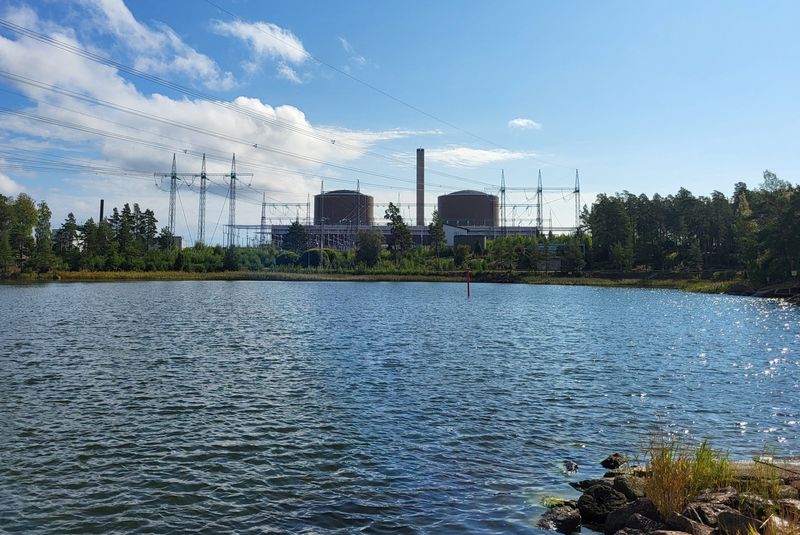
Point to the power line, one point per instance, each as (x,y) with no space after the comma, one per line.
(68,47)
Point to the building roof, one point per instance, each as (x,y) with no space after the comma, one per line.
(466,192)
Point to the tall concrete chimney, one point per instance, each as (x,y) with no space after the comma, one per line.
(420,187)
(102,204)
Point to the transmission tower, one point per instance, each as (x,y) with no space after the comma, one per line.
(503,202)
(232,204)
(263,241)
(201,218)
(577,201)
(173,190)
(539,204)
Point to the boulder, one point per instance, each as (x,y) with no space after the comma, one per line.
(614,461)
(706,512)
(630,531)
(618,519)
(556,501)
(586,484)
(597,502)
(788,492)
(563,519)
(726,496)
(755,506)
(789,507)
(641,522)
(733,523)
(681,523)
(632,487)
(666,532)
(570,466)
(776,524)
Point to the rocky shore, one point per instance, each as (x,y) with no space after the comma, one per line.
(617,504)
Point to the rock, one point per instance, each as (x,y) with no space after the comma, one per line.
(740,289)
(618,519)
(681,523)
(614,461)
(789,507)
(562,518)
(667,532)
(706,512)
(733,523)
(632,487)
(586,484)
(596,503)
(755,506)
(788,492)
(726,496)
(776,524)
(556,501)
(630,531)
(639,521)
(570,466)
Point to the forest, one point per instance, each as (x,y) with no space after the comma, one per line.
(754,231)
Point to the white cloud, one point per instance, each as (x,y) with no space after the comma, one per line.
(261,146)
(524,124)
(356,58)
(267,40)
(158,50)
(468,157)
(8,186)
(287,73)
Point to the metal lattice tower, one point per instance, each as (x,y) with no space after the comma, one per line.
(232,205)
(201,218)
(577,201)
(503,201)
(173,191)
(539,203)
(263,240)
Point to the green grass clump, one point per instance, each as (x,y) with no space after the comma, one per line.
(677,471)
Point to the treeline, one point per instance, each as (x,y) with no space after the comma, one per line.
(756,230)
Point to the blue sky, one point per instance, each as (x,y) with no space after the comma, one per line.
(640,96)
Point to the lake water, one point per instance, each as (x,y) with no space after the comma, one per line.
(275,407)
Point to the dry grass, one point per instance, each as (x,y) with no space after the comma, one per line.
(677,471)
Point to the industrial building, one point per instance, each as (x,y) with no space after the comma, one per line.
(469,208)
(470,217)
(344,208)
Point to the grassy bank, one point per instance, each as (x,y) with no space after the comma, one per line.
(690,285)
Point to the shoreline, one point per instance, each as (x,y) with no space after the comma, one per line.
(732,287)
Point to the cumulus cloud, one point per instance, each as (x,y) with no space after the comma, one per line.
(524,124)
(468,157)
(8,186)
(277,143)
(156,49)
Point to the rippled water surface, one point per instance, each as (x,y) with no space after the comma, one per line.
(260,407)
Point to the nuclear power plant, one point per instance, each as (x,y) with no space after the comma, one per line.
(469,216)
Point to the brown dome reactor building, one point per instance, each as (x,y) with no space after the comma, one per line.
(344,207)
(469,208)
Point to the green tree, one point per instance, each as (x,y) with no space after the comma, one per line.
(43,256)
(296,238)
(368,248)
(400,236)
(231,261)
(6,253)
(23,219)
(436,232)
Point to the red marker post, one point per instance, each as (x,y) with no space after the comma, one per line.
(467,284)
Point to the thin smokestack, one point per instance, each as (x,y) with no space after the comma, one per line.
(102,203)
(420,187)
